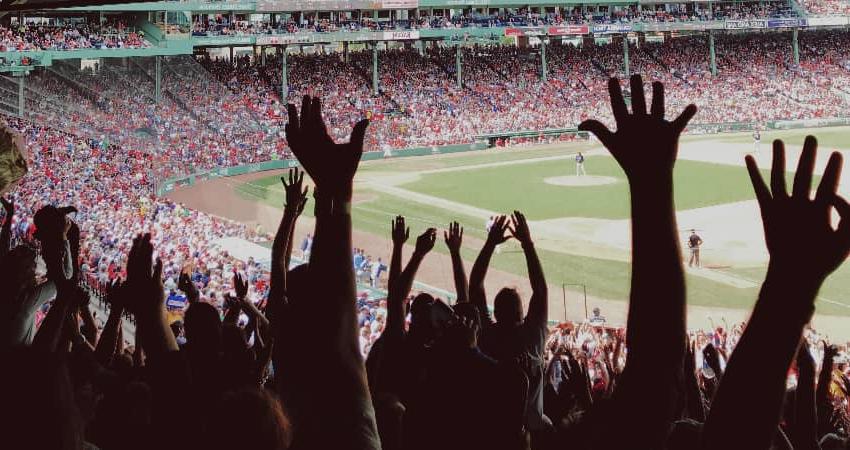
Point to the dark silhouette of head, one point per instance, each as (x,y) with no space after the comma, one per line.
(203,328)
(507,307)
(254,419)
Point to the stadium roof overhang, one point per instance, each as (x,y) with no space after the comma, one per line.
(31,5)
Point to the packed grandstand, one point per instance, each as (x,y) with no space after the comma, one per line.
(100,137)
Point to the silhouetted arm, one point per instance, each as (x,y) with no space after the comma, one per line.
(339,407)
(538,306)
(454,237)
(495,237)
(646,145)
(804,434)
(804,250)
(822,400)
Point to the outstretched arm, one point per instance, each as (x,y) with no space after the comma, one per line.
(646,145)
(296,198)
(400,234)
(338,407)
(496,236)
(538,306)
(804,434)
(454,238)
(395,302)
(110,336)
(822,400)
(804,249)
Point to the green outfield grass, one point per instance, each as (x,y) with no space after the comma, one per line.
(828,138)
(505,188)
(521,186)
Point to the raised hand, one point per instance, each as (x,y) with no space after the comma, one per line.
(330,165)
(645,144)
(497,234)
(798,229)
(425,242)
(400,232)
(240,285)
(144,279)
(519,228)
(453,237)
(296,197)
(185,284)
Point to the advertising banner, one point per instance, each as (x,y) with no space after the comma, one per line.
(401,35)
(612,28)
(284,39)
(745,24)
(569,30)
(525,31)
(827,21)
(333,5)
(786,23)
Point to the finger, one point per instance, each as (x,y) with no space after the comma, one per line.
(305,114)
(293,124)
(762,194)
(803,177)
(285,184)
(681,122)
(358,134)
(657,100)
(638,96)
(618,104)
(318,121)
(461,232)
(599,130)
(829,181)
(157,270)
(777,172)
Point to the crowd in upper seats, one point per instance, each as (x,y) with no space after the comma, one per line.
(827,7)
(32,36)
(233,110)
(215,25)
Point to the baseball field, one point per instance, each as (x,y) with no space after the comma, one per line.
(580,224)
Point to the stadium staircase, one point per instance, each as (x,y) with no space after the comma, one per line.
(173,97)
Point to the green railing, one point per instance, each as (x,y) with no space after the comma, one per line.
(177,182)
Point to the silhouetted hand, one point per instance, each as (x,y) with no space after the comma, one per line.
(712,358)
(144,279)
(805,363)
(185,284)
(645,145)
(425,242)
(330,165)
(115,296)
(497,234)
(453,237)
(240,285)
(519,230)
(797,229)
(400,232)
(296,197)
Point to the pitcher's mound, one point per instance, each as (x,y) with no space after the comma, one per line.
(587,180)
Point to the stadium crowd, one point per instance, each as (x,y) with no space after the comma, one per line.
(32,36)
(250,364)
(233,111)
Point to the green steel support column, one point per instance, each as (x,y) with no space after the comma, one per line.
(158,79)
(345,51)
(711,54)
(284,80)
(626,55)
(375,68)
(263,56)
(231,55)
(21,96)
(544,70)
(459,66)
(796,47)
